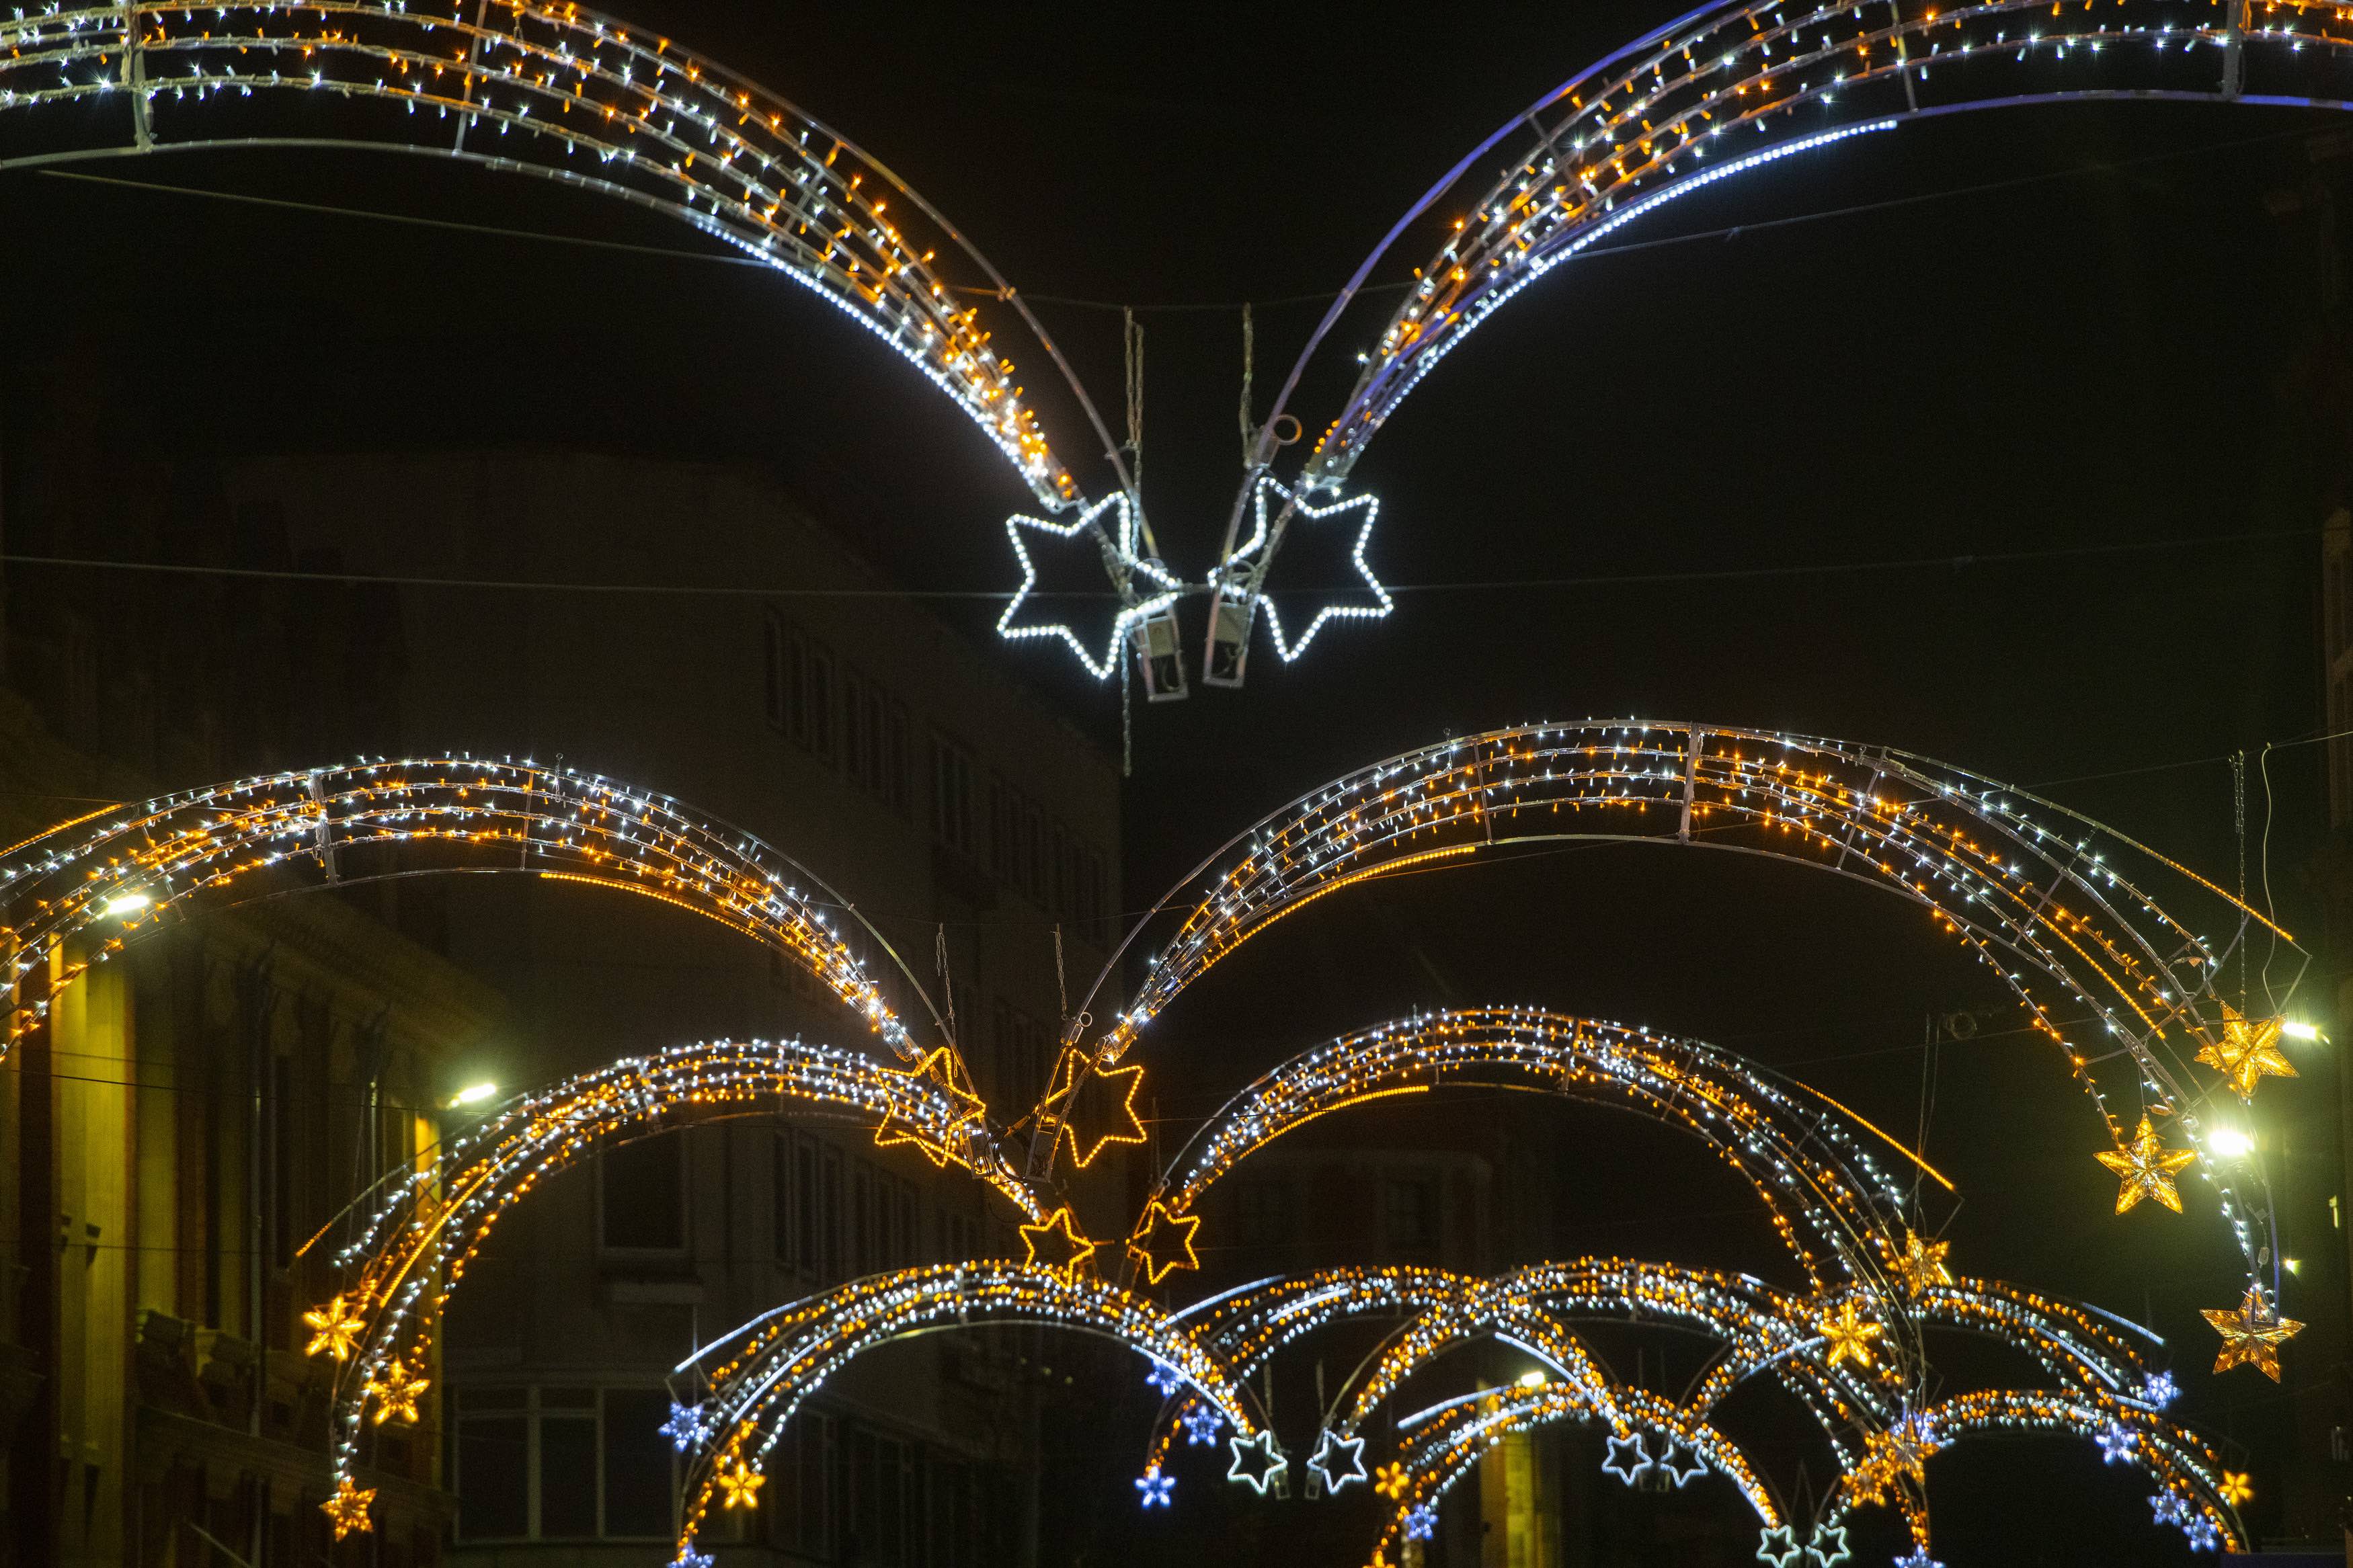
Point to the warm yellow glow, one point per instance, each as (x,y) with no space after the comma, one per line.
(472,1094)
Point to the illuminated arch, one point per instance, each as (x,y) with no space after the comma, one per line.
(536,88)
(1722,89)
(1825,1194)
(758,1375)
(79,893)
(2037,892)
(408,1259)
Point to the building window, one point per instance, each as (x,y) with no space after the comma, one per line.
(278,1153)
(1018,1052)
(952,796)
(803,1480)
(642,1196)
(874,742)
(564,1463)
(1409,1212)
(800,696)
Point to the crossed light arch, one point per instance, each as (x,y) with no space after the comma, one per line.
(2035,891)
(555,90)
(410,1257)
(1726,88)
(79,893)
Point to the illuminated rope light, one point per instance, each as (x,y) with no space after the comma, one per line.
(758,1376)
(552,90)
(409,1258)
(2031,889)
(1728,89)
(79,894)
(1240,580)
(1810,1175)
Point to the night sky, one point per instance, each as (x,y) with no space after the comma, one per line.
(2095,335)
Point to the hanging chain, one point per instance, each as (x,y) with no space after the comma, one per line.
(1249,359)
(947,981)
(2239,822)
(1132,338)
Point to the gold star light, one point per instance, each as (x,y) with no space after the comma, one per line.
(1847,1336)
(2252,1335)
(397,1392)
(739,1480)
(2145,1168)
(2235,1489)
(1922,1263)
(2248,1051)
(1093,1109)
(1056,1242)
(1163,1243)
(347,1510)
(939,1071)
(335,1327)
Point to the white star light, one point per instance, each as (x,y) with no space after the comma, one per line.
(1122,535)
(1779,1548)
(1163,1377)
(1829,1548)
(2158,1390)
(1626,1460)
(684,1427)
(1917,1558)
(1201,1425)
(1155,1489)
(2169,1508)
(1338,1461)
(1681,1464)
(1259,1450)
(2116,1444)
(1303,507)
(2203,1536)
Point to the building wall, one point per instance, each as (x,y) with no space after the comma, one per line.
(847,729)
(186,1120)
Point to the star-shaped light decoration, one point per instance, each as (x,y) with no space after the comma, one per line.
(1155,1489)
(2236,1489)
(1681,1464)
(684,1427)
(335,1327)
(1338,1461)
(1301,510)
(1895,1457)
(2202,1535)
(1828,1547)
(2170,1507)
(1847,1335)
(1777,1546)
(1422,1522)
(738,1481)
(1917,1558)
(1390,1480)
(942,1074)
(1202,1424)
(2159,1390)
(397,1393)
(1258,1463)
(1627,1459)
(1165,1379)
(1056,1242)
(1092,1107)
(2252,1335)
(2145,1168)
(691,1558)
(1150,586)
(2116,1443)
(2248,1051)
(1163,1243)
(1922,1263)
(347,1510)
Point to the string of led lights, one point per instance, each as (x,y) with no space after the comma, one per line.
(2033,889)
(2066,904)
(746,1386)
(1826,1196)
(1726,88)
(78,894)
(408,1258)
(549,90)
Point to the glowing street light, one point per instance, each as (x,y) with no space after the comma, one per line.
(472,1094)
(2230,1144)
(127,903)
